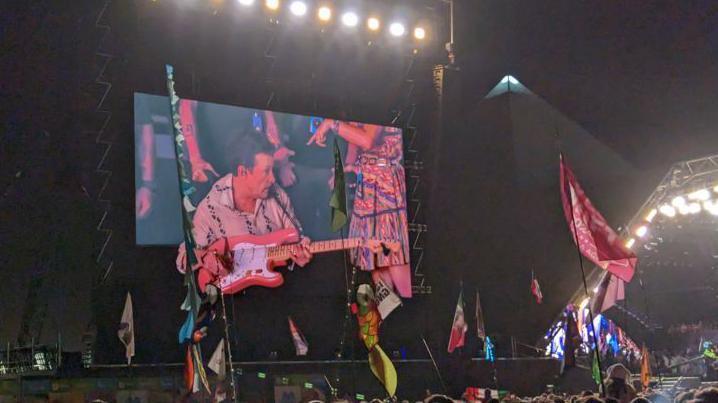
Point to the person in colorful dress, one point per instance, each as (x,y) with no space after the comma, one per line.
(379,210)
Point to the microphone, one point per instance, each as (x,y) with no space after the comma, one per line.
(274,194)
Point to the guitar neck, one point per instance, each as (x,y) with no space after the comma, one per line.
(283,252)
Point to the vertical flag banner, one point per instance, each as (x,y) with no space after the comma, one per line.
(594,237)
(479,316)
(595,369)
(217,362)
(126,333)
(571,341)
(611,290)
(536,288)
(458,327)
(386,299)
(300,343)
(645,367)
(338,201)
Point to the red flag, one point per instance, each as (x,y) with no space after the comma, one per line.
(594,237)
(611,290)
(458,327)
(536,289)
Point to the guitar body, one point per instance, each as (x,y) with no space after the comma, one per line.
(251,265)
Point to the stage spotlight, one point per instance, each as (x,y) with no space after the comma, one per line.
(419,33)
(324,13)
(630,242)
(246,2)
(272,4)
(701,195)
(667,210)
(651,215)
(350,19)
(694,208)
(397,29)
(298,8)
(678,201)
(642,231)
(373,23)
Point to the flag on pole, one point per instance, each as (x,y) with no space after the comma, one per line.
(338,201)
(479,316)
(611,290)
(300,343)
(594,237)
(458,327)
(126,333)
(217,362)
(386,299)
(570,341)
(536,288)
(595,368)
(645,367)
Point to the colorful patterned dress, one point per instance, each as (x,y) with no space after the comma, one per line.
(379,203)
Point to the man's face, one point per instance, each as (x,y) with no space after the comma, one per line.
(257,180)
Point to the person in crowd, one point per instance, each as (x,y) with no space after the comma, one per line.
(618,384)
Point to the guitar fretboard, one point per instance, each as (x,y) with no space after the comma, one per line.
(285,251)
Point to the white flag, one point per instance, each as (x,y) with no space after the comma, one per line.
(386,300)
(300,343)
(217,362)
(127,329)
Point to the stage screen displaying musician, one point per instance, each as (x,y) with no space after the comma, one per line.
(280,163)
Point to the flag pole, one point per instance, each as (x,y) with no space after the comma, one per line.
(433,361)
(228,346)
(585,289)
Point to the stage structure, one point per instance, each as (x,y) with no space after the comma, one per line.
(673,234)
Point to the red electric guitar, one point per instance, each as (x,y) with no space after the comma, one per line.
(245,261)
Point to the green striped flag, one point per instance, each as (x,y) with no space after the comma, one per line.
(338,201)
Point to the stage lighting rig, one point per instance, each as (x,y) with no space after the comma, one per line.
(272,4)
(350,19)
(298,8)
(419,33)
(324,13)
(373,24)
(246,2)
(397,29)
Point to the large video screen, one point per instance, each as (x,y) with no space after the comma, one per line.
(258,172)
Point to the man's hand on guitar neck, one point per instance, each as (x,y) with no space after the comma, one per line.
(301,255)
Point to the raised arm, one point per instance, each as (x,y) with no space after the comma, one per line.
(189,130)
(361,136)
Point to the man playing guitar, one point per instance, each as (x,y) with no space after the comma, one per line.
(244,204)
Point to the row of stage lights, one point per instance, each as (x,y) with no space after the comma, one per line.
(691,203)
(349,19)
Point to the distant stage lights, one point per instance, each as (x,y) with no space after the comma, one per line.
(397,29)
(651,215)
(246,2)
(641,231)
(694,208)
(350,19)
(272,4)
(630,242)
(373,24)
(324,13)
(678,201)
(702,195)
(667,210)
(419,33)
(298,8)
